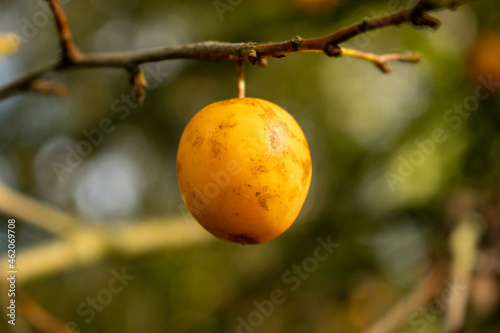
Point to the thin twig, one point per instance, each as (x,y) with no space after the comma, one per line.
(251,52)
(379,60)
(463,244)
(70,52)
(241,79)
(421,295)
(49,87)
(139,84)
(382,60)
(40,318)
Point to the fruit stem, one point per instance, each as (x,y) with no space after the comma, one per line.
(241,79)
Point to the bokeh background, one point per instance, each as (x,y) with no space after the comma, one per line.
(361,126)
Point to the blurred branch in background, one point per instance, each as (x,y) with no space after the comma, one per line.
(451,282)
(92,245)
(399,314)
(40,318)
(463,243)
(251,52)
(15,204)
(82,245)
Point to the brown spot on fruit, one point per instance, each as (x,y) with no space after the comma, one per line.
(306,145)
(227,125)
(262,201)
(198,141)
(243,239)
(306,167)
(293,157)
(268,114)
(216,148)
(259,169)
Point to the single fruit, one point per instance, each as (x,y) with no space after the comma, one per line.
(244,169)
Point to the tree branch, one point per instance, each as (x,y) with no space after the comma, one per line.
(421,295)
(93,244)
(80,245)
(43,216)
(382,60)
(70,52)
(254,53)
(463,244)
(40,318)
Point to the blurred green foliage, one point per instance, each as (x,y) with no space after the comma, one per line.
(360,123)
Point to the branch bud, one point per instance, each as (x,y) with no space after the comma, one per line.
(48,87)
(333,50)
(139,84)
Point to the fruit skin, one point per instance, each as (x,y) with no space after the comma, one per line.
(244,169)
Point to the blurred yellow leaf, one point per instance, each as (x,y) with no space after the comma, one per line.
(9,43)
